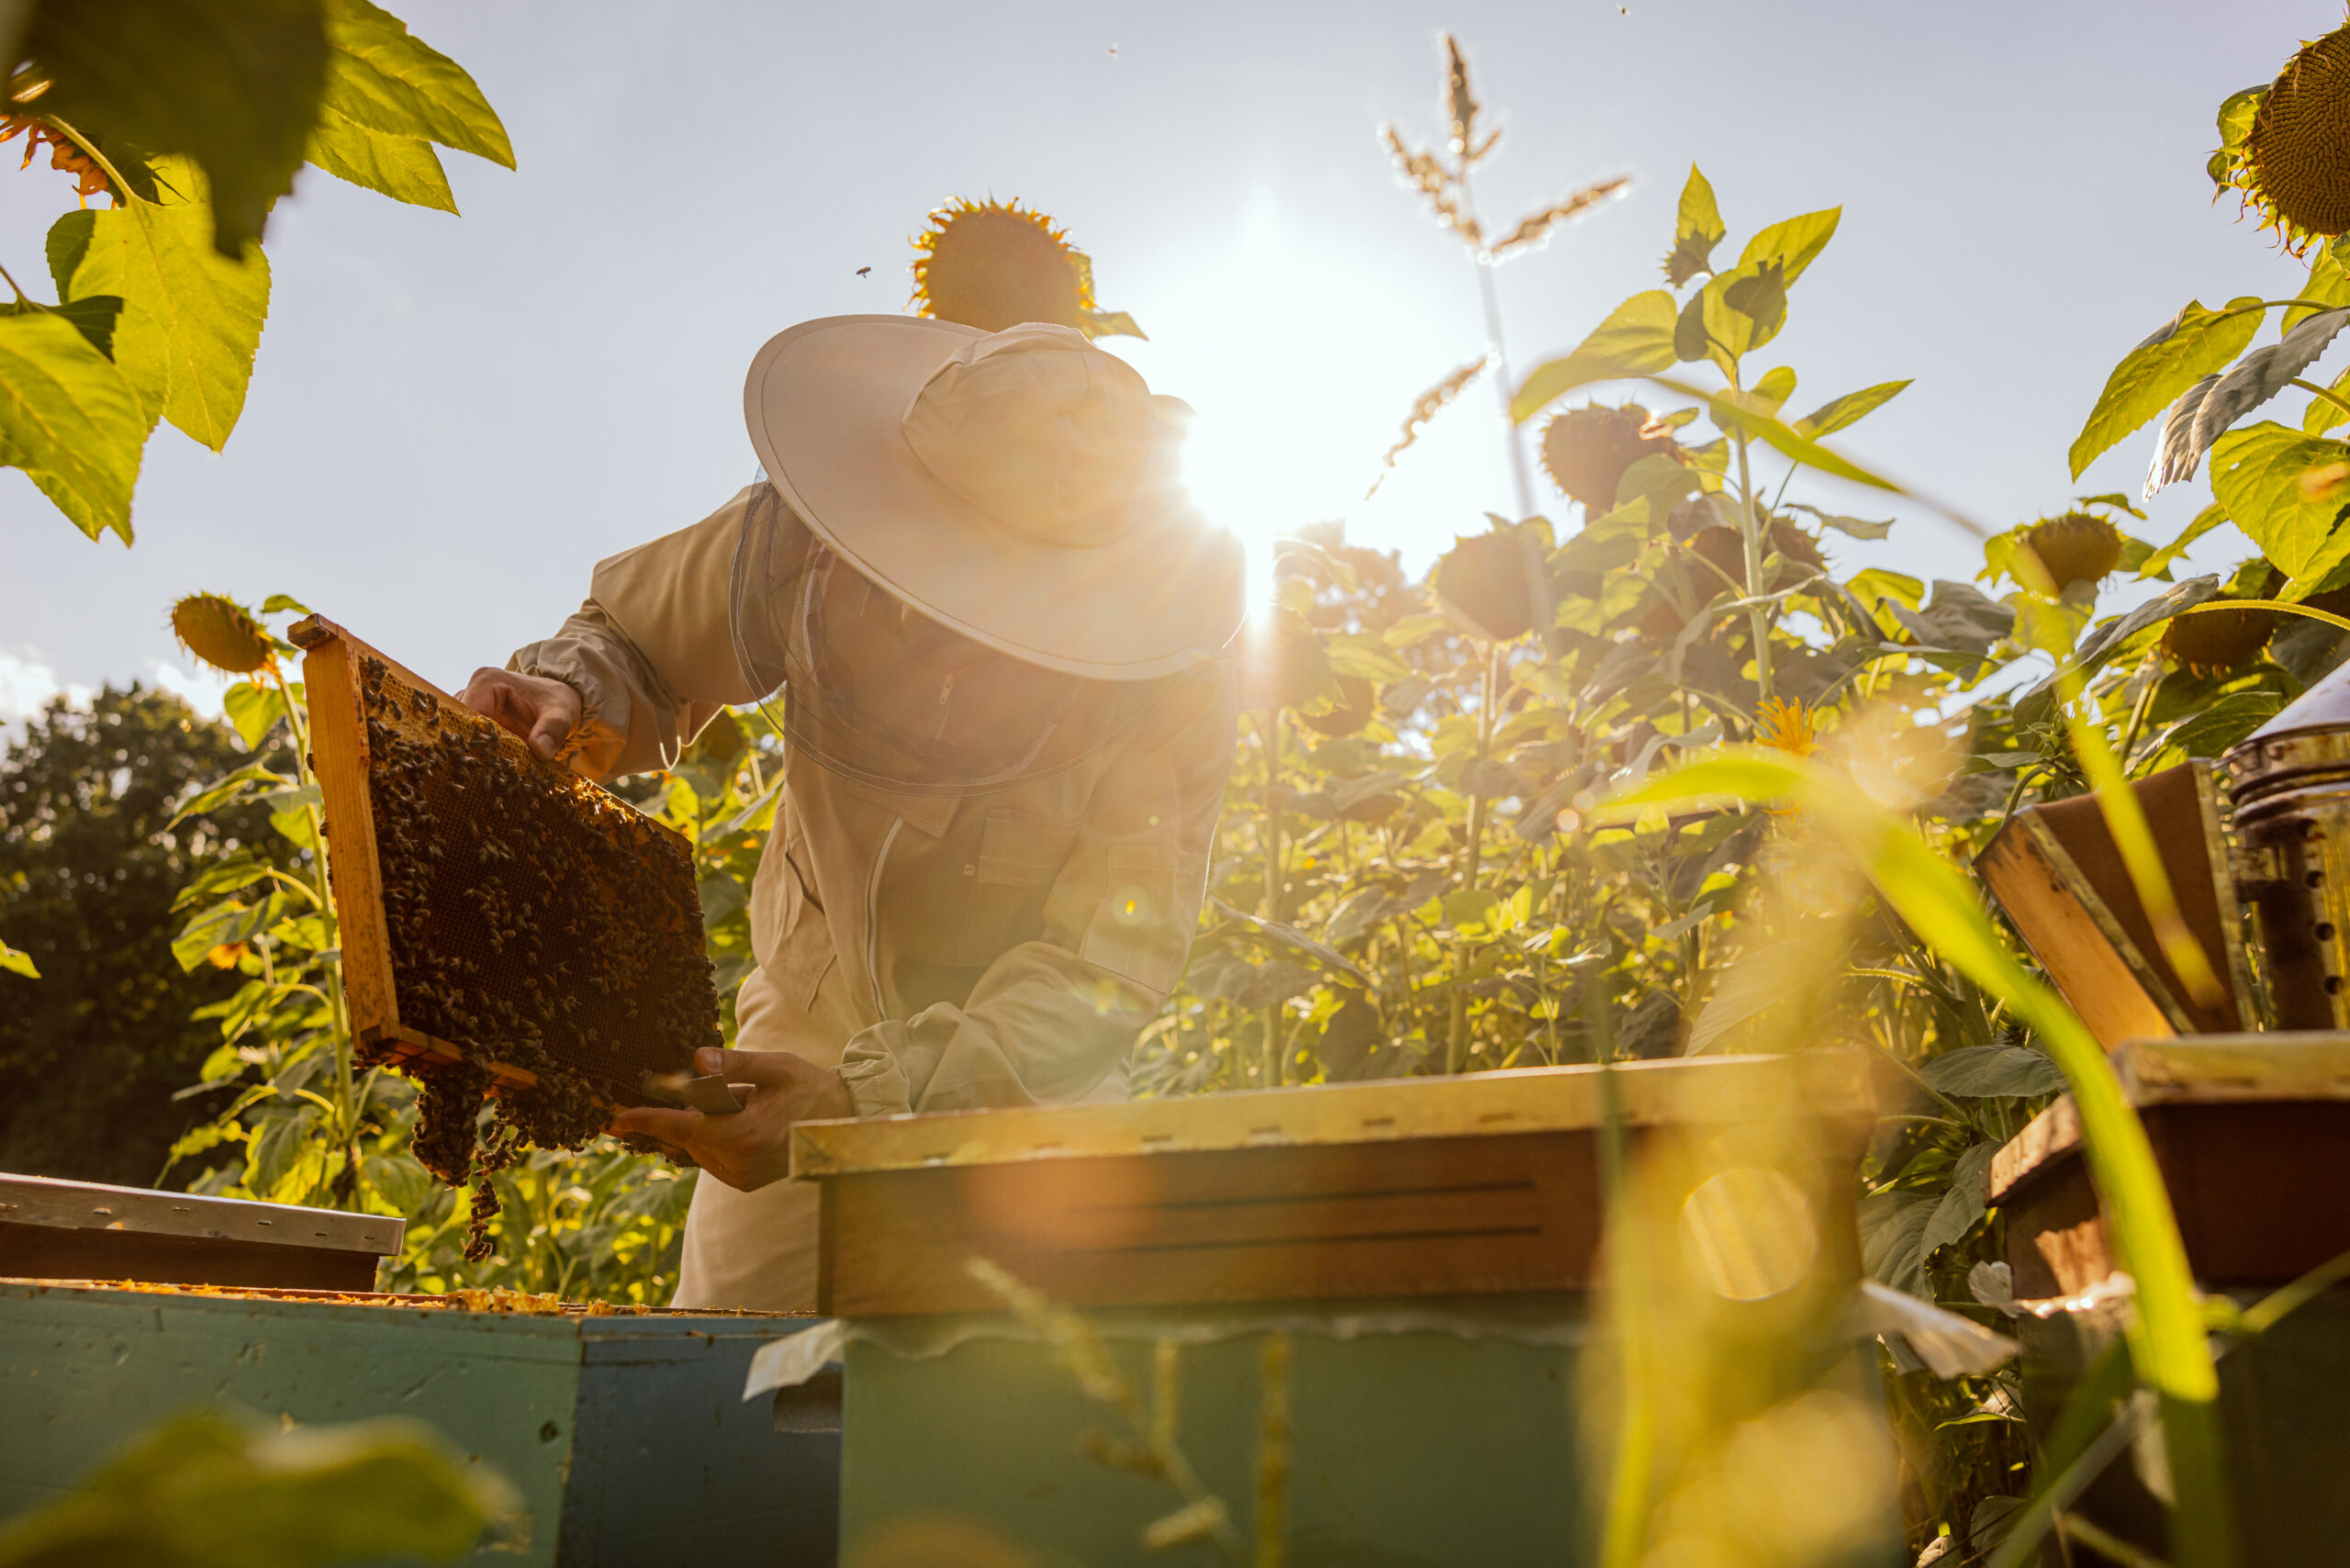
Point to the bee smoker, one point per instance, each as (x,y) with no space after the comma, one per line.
(2290,780)
(2257,852)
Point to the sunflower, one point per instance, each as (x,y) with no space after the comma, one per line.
(223,633)
(2286,147)
(996,264)
(2215,642)
(1586,450)
(1786,725)
(2078,547)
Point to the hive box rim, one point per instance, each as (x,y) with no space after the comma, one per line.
(96,1205)
(1835,1084)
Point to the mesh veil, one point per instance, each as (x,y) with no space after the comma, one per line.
(932,716)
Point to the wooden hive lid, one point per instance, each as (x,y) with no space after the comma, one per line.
(1833,1084)
(2189,1070)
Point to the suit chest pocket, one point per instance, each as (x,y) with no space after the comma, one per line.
(1020,856)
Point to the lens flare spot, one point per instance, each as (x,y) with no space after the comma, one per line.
(1749,1233)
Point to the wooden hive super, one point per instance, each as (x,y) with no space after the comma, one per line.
(495,907)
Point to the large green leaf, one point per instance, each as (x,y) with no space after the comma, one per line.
(1982,1073)
(2192,344)
(232,84)
(384,77)
(191,320)
(69,421)
(1634,340)
(402,167)
(2256,476)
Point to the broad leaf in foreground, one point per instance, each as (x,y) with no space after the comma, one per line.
(232,85)
(404,168)
(68,419)
(191,319)
(385,78)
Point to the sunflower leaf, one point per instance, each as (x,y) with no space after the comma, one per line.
(384,77)
(1634,340)
(2328,284)
(232,85)
(2258,376)
(2257,475)
(191,319)
(2192,344)
(69,421)
(1696,231)
(404,168)
(2207,520)
(1848,409)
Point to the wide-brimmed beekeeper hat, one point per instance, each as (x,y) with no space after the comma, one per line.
(1020,487)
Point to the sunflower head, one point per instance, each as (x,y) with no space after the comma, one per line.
(1786,726)
(223,633)
(2286,146)
(2215,642)
(996,264)
(1586,450)
(2078,547)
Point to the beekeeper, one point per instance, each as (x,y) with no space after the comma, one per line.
(973,595)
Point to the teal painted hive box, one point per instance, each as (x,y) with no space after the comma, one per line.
(1364,1305)
(627,1435)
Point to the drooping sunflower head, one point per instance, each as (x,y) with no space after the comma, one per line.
(221,633)
(2286,146)
(2078,547)
(1586,450)
(996,264)
(2215,642)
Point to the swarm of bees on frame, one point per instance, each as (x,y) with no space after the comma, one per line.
(535,923)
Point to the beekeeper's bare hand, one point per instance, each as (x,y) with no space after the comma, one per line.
(538,708)
(752,1148)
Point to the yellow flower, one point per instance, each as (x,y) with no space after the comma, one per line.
(995,264)
(1787,725)
(2286,148)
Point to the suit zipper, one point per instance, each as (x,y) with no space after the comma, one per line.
(873,917)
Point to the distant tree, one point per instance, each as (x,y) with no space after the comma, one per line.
(92,1052)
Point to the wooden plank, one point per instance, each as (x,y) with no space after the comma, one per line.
(339,758)
(2088,957)
(1435,1217)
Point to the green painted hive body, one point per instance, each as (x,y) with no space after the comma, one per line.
(627,1435)
(1405,1268)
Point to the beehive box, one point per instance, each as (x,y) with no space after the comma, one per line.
(627,1435)
(1426,1248)
(493,906)
(2252,1132)
(84,1230)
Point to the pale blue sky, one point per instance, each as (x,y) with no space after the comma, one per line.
(453,417)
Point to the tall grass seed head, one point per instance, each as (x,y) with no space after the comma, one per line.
(996,264)
(222,633)
(2078,547)
(1586,450)
(2294,164)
